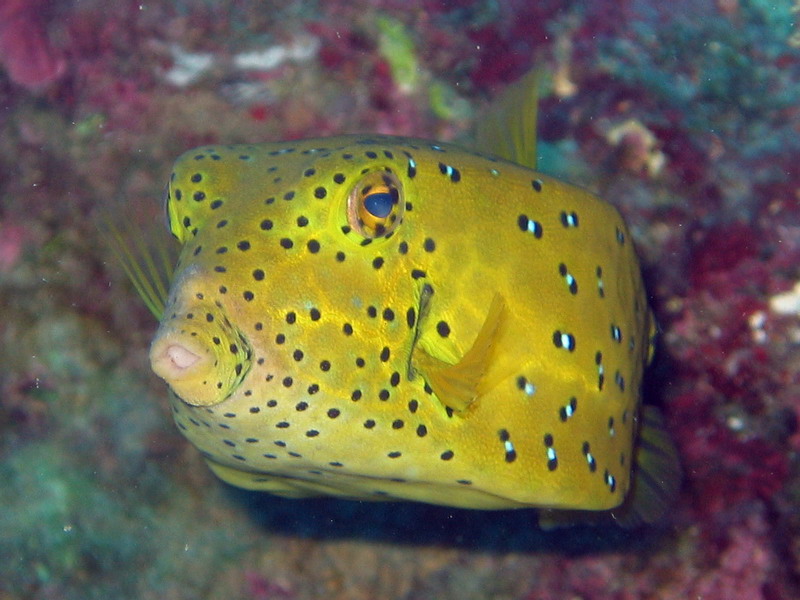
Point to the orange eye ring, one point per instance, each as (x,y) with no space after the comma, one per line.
(375,205)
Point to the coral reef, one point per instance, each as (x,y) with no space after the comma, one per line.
(26,52)
(686,115)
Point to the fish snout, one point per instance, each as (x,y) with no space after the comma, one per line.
(202,361)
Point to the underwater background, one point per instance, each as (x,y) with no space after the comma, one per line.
(685,115)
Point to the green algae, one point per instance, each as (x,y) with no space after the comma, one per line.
(88,500)
(90,126)
(69,527)
(713,68)
(446,103)
(397,47)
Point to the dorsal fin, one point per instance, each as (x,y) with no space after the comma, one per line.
(508,128)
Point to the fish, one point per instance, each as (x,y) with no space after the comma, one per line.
(377,317)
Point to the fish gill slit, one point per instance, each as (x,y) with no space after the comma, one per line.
(422,312)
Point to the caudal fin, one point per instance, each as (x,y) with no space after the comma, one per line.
(655,483)
(656,476)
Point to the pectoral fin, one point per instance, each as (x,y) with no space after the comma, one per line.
(459,385)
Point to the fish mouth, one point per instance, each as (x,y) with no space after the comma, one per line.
(174,360)
(202,360)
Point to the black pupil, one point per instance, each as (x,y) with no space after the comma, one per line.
(379,204)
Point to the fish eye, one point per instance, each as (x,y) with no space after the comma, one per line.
(374,207)
(378,204)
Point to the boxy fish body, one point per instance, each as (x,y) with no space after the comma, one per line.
(379,317)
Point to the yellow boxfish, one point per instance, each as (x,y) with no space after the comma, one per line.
(378,317)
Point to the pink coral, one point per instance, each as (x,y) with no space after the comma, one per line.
(25,50)
(744,569)
(12,241)
(261,588)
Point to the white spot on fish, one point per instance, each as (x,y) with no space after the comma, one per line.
(567,341)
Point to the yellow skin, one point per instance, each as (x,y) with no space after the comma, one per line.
(341,368)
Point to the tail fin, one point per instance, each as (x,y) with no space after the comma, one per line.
(655,482)
(656,477)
